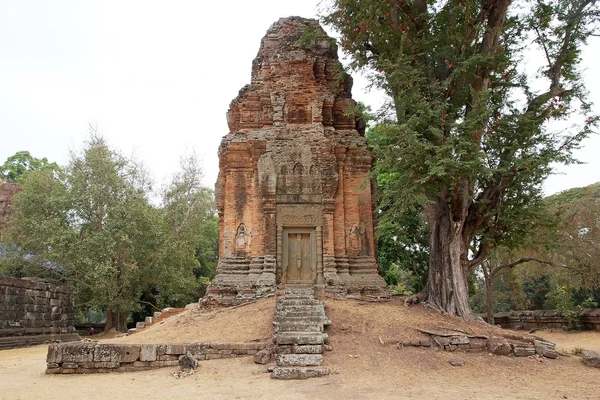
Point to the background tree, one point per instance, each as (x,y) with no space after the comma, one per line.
(470,136)
(96,223)
(557,269)
(16,166)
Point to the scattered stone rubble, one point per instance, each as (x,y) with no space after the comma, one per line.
(518,346)
(591,358)
(299,324)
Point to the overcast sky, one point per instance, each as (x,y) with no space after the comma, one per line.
(157,77)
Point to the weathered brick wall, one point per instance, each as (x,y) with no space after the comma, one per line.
(546,319)
(86,358)
(33,311)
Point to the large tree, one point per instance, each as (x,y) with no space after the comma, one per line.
(471,134)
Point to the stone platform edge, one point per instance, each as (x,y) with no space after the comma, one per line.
(10,342)
(87,358)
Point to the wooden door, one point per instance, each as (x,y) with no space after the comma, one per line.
(299,256)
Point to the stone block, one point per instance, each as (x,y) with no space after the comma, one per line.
(78,353)
(308,349)
(459,340)
(187,362)
(499,346)
(263,356)
(129,353)
(523,350)
(148,352)
(142,364)
(299,360)
(55,352)
(176,349)
(541,347)
(591,358)
(168,357)
(298,372)
(102,352)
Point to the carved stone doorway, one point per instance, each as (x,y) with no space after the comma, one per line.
(299,256)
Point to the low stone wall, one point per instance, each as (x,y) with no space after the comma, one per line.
(33,311)
(87,357)
(506,345)
(546,319)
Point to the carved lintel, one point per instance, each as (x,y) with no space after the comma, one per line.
(299,215)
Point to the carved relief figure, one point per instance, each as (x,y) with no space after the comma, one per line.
(355,238)
(241,237)
(298,169)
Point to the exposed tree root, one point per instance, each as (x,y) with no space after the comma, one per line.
(414,299)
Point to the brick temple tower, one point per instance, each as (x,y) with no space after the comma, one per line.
(293,194)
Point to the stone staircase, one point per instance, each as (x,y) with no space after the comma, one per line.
(158,317)
(298,324)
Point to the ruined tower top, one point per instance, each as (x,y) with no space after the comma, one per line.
(296,79)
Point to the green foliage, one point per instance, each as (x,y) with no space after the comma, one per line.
(471,138)
(94,219)
(16,166)
(309,36)
(537,289)
(561,300)
(401,233)
(400,281)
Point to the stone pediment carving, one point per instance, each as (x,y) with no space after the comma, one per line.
(299,215)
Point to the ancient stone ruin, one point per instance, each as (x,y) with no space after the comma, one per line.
(293,193)
(33,311)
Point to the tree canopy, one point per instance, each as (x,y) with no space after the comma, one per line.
(16,166)
(470,137)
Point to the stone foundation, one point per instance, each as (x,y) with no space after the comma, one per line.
(87,358)
(546,319)
(33,311)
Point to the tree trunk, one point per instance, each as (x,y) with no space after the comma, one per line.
(447,287)
(117,320)
(489,305)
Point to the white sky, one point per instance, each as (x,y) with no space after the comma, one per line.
(157,77)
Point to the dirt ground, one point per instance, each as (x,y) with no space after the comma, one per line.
(360,367)
(251,322)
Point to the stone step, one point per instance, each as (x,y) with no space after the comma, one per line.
(299,314)
(299,328)
(299,360)
(307,349)
(300,338)
(298,302)
(318,308)
(298,372)
(317,319)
